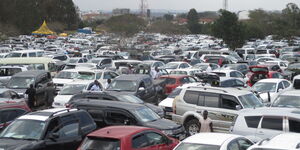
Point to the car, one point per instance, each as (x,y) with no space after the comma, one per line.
(217,59)
(232,82)
(187,71)
(176,65)
(127,138)
(115,97)
(49,129)
(231,73)
(206,67)
(214,141)
(289,98)
(101,75)
(268,89)
(140,85)
(64,77)
(242,67)
(9,70)
(173,81)
(261,72)
(75,60)
(290,140)
(68,90)
(154,63)
(222,104)
(261,123)
(22,80)
(102,62)
(107,113)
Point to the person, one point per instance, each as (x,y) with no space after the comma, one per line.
(130,69)
(107,83)
(153,73)
(158,73)
(31,92)
(96,86)
(206,123)
(50,93)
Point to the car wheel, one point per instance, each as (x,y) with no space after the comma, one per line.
(193,126)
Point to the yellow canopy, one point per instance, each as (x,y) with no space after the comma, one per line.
(44,30)
(63,34)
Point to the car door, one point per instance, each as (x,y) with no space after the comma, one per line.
(269,127)
(157,141)
(118,117)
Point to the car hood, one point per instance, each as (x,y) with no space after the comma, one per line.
(20,92)
(10,144)
(162,124)
(168,102)
(62,99)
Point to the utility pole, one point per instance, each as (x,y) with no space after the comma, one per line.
(143,8)
(225,4)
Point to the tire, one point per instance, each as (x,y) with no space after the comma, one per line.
(192,127)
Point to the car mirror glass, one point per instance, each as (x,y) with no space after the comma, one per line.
(238,107)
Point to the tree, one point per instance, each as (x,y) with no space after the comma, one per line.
(125,25)
(229,29)
(168,17)
(167,27)
(193,22)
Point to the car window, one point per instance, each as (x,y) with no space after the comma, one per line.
(181,66)
(7,116)
(239,75)
(139,141)
(286,84)
(275,75)
(24,55)
(184,80)
(154,138)
(244,144)
(229,102)
(192,79)
(80,61)
(117,118)
(294,125)
(280,86)
(233,146)
(233,74)
(84,119)
(212,100)
(252,121)
(97,115)
(272,123)
(107,75)
(191,97)
(69,129)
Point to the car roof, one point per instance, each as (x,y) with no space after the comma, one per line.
(117,132)
(107,103)
(210,138)
(273,80)
(270,111)
(224,70)
(134,77)
(31,73)
(291,139)
(43,115)
(220,90)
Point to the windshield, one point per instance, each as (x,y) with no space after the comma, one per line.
(72,89)
(145,114)
(66,75)
(287,101)
(193,146)
(20,82)
(250,101)
(175,93)
(23,129)
(73,60)
(130,98)
(86,75)
(105,144)
(171,65)
(264,87)
(201,66)
(123,85)
(9,71)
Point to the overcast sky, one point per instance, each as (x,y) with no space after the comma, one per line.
(200,5)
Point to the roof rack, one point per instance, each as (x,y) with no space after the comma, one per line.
(65,110)
(208,88)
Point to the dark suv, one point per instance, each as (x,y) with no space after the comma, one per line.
(59,129)
(22,80)
(107,113)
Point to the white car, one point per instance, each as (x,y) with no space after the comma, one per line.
(100,75)
(290,99)
(176,65)
(64,77)
(214,141)
(269,89)
(231,73)
(283,141)
(206,67)
(187,71)
(68,91)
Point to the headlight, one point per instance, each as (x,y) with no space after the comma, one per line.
(167,132)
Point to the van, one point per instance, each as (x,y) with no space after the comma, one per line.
(26,53)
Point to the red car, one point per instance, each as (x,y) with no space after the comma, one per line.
(173,81)
(128,138)
(257,73)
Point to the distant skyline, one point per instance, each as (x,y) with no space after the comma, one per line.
(199,5)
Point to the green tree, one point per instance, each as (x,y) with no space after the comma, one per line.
(229,29)
(193,22)
(125,25)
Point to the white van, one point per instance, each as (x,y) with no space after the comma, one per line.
(26,53)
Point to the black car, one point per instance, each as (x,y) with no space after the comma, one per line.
(52,129)
(107,113)
(116,97)
(139,85)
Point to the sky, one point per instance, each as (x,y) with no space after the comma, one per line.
(199,5)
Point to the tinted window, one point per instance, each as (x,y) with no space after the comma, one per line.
(70,129)
(139,141)
(170,81)
(32,54)
(84,119)
(286,84)
(233,146)
(244,144)
(191,97)
(7,116)
(252,121)
(294,125)
(97,115)
(154,138)
(212,100)
(280,86)
(116,118)
(272,123)
(91,143)
(229,102)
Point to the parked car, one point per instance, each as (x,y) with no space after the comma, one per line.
(22,80)
(75,60)
(206,67)
(261,123)
(173,81)
(128,138)
(64,77)
(261,72)
(214,141)
(232,82)
(281,141)
(222,104)
(107,113)
(290,99)
(48,129)
(242,67)
(231,73)
(269,89)
(176,65)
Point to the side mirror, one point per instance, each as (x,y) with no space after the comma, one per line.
(141,89)
(238,107)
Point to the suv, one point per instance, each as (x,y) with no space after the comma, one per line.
(49,129)
(108,113)
(22,80)
(262,123)
(222,104)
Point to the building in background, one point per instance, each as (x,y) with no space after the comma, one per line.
(120,11)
